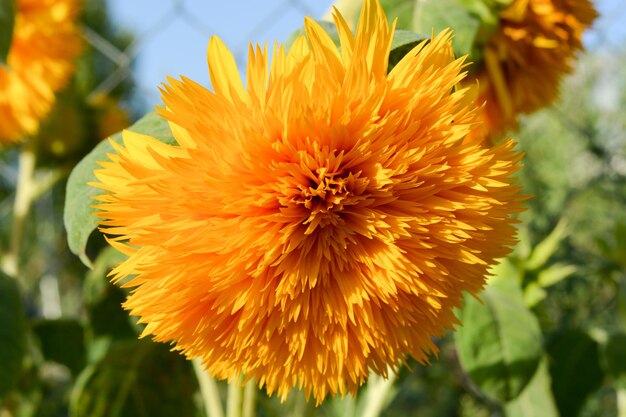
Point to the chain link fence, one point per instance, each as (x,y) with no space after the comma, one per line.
(191,24)
(170,38)
(180,20)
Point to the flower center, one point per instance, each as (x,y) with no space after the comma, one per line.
(325,195)
(328,196)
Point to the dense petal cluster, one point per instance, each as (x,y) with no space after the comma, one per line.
(320,222)
(525,59)
(45,42)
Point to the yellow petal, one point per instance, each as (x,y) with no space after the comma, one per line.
(223,71)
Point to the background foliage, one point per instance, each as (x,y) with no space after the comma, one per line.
(548,340)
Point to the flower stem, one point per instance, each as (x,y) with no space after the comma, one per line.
(499,83)
(621,402)
(209,391)
(233,401)
(349,406)
(23,198)
(378,389)
(299,408)
(249,399)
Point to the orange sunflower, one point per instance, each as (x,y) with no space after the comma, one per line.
(525,59)
(318,223)
(45,42)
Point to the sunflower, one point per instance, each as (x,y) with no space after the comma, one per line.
(317,224)
(45,42)
(110,116)
(524,60)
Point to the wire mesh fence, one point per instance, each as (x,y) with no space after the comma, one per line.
(184,20)
(181,17)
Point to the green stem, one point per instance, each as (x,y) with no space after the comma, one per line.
(621,402)
(209,390)
(249,399)
(349,406)
(21,206)
(233,401)
(45,183)
(378,390)
(299,405)
(128,382)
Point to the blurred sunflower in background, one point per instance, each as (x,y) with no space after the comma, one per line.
(45,43)
(75,123)
(321,222)
(523,61)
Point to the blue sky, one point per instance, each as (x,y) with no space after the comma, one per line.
(173,41)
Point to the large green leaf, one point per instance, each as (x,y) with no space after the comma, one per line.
(135,378)
(534,294)
(575,369)
(536,399)
(488,11)
(62,341)
(12,333)
(401,10)
(437,15)
(78,216)
(535,291)
(547,247)
(500,343)
(7,22)
(402,43)
(554,274)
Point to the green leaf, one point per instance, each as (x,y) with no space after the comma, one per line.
(78,216)
(402,43)
(437,15)
(619,249)
(507,269)
(96,284)
(620,393)
(575,369)
(487,10)
(554,274)
(534,294)
(500,343)
(401,10)
(547,247)
(135,378)
(536,399)
(621,301)
(614,355)
(523,248)
(103,300)
(62,341)
(7,23)
(12,333)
